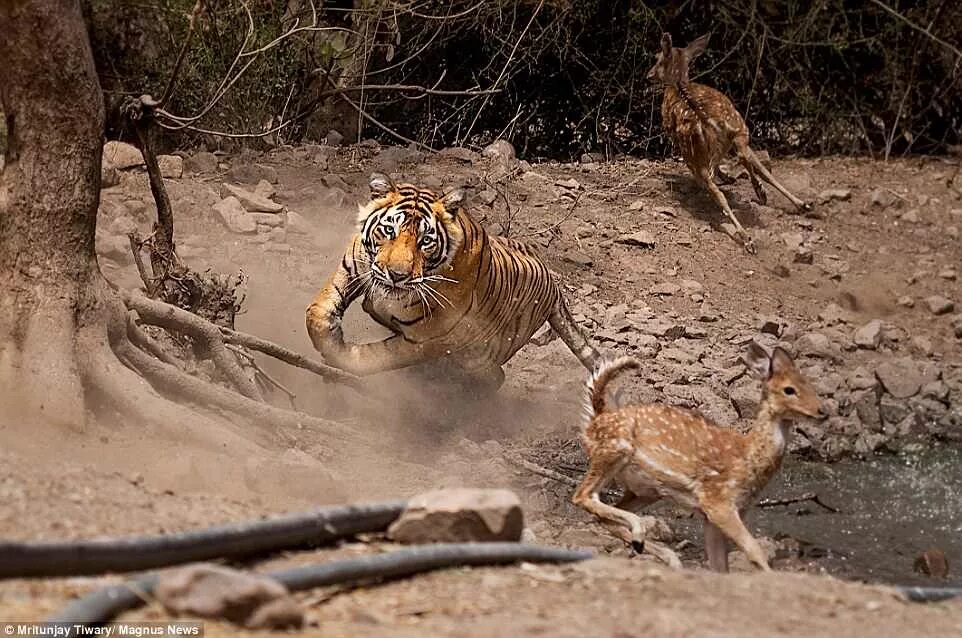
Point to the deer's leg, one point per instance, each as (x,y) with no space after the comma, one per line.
(601,472)
(751,161)
(705,177)
(730,523)
(716,547)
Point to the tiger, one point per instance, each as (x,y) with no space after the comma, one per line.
(458,300)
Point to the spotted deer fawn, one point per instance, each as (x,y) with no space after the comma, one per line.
(704,124)
(656,451)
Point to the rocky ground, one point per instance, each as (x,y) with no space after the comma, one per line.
(864,292)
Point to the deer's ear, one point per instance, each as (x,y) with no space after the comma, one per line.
(781,361)
(697,47)
(758,361)
(380,185)
(666,44)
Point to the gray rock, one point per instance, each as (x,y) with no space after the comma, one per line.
(641,238)
(939,305)
(201,163)
(212,591)
(334,138)
(665,289)
(910,216)
(297,225)
(122,156)
(501,150)
(866,404)
(833,194)
(578,258)
(893,410)
(265,189)
(905,301)
(109,175)
(868,442)
(902,378)
(488,196)
(252,202)
(459,153)
(569,184)
(234,216)
(171,166)
(268,219)
(459,515)
(745,396)
(869,336)
(803,255)
(815,344)
(250,173)
(883,198)
(861,379)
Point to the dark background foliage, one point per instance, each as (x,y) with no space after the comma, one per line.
(820,77)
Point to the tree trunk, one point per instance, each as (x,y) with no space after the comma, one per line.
(49,193)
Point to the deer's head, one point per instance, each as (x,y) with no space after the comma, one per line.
(671,64)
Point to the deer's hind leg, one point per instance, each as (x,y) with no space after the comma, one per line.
(627,526)
(756,169)
(704,175)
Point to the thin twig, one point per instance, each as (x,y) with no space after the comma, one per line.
(259,370)
(802,498)
(361,112)
(917,27)
(191,24)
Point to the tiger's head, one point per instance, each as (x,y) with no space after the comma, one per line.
(410,234)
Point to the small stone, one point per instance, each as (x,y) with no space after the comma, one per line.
(793,240)
(171,166)
(212,591)
(578,258)
(297,224)
(234,216)
(638,204)
(253,202)
(921,345)
(122,156)
(109,175)
(333,138)
(641,238)
(265,189)
(246,173)
(459,153)
(932,563)
(882,198)
(832,194)
(665,289)
(869,336)
(770,326)
(501,150)
(815,344)
(948,273)
(910,216)
(803,255)
(200,163)
(267,219)
(570,183)
(488,196)
(939,305)
(902,378)
(459,515)
(905,301)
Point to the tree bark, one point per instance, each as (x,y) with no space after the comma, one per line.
(49,193)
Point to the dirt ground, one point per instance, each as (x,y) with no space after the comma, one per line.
(881,232)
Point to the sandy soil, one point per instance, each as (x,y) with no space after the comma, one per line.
(113,478)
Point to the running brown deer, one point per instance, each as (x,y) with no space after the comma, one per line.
(656,451)
(704,125)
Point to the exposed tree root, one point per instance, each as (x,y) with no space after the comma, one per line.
(175,319)
(290,357)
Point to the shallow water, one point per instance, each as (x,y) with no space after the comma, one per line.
(892,508)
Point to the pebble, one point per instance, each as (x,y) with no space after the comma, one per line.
(939,305)
(869,336)
(640,238)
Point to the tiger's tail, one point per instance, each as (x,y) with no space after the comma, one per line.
(565,327)
(596,386)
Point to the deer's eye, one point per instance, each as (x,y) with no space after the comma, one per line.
(790,391)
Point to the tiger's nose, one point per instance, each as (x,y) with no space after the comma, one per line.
(397,276)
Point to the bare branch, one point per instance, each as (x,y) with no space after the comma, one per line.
(918,28)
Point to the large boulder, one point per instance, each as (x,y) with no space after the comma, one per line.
(234,216)
(460,515)
(121,155)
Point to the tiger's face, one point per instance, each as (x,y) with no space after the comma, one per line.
(409,234)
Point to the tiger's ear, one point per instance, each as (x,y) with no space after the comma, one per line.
(453,199)
(380,185)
